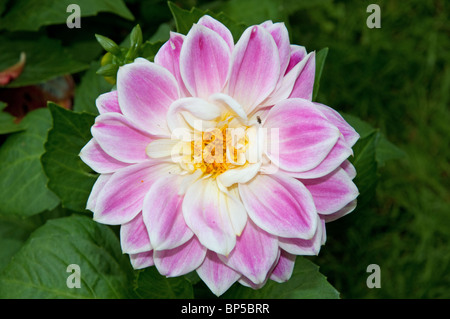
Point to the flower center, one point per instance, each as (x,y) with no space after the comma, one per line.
(219,149)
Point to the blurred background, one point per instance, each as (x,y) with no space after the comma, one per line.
(396,77)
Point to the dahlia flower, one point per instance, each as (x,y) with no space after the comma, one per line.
(214,159)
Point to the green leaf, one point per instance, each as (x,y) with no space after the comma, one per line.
(69,177)
(39,269)
(371,152)
(149,49)
(45,59)
(7,124)
(131,48)
(306,282)
(90,87)
(366,167)
(108,70)
(321,56)
(150,284)
(135,43)
(108,44)
(363,128)
(386,151)
(22,179)
(136,36)
(184,20)
(193,277)
(13,233)
(30,15)
(84,49)
(236,28)
(15,230)
(162,33)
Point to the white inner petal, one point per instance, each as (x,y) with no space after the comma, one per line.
(239,175)
(227,102)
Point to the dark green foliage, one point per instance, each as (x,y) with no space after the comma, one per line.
(39,269)
(69,177)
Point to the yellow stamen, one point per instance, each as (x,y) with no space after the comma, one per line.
(210,153)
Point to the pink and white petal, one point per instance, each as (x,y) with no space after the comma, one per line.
(122,197)
(280,34)
(287,82)
(219,28)
(184,112)
(229,104)
(108,102)
(181,260)
(340,152)
(94,156)
(254,254)
(298,53)
(304,247)
(207,217)
(347,209)
(120,138)
(349,169)
(96,189)
(168,56)
(255,68)
(332,192)
(250,284)
(216,275)
(283,270)
(236,210)
(142,260)
(188,180)
(134,236)
(145,92)
(259,117)
(163,214)
(162,147)
(305,136)
(239,175)
(304,85)
(204,61)
(266,24)
(351,136)
(269,168)
(280,205)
